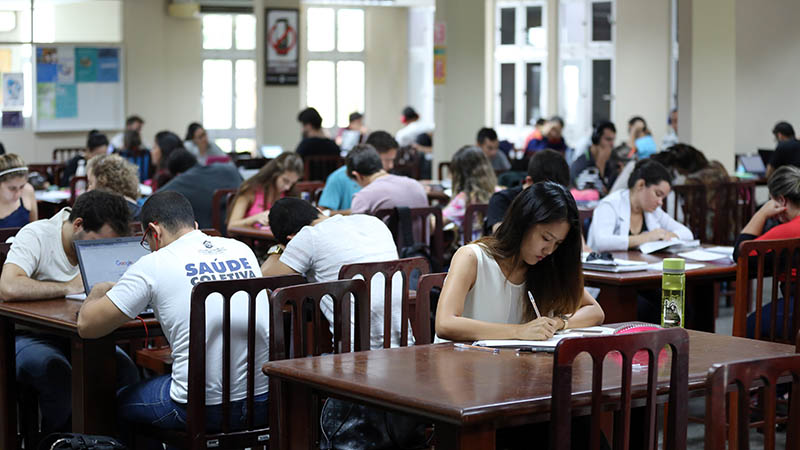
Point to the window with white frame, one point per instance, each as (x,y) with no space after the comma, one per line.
(520,66)
(229,80)
(586,65)
(335,71)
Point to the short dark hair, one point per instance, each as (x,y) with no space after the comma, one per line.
(310,116)
(549,165)
(635,119)
(363,159)
(288,215)
(651,171)
(167,141)
(169,209)
(98,208)
(486,133)
(382,141)
(355,116)
(558,119)
(132,120)
(409,113)
(96,139)
(180,160)
(784,128)
(132,140)
(191,129)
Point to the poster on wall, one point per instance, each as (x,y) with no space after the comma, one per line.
(13,93)
(439,65)
(282,39)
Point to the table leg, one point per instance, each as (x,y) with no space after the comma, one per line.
(94,384)
(452,437)
(8,385)
(292,415)
(618,303)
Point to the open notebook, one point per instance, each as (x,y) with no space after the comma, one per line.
(548,345)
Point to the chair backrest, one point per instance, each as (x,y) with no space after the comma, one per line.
(4,249)
(6,233)
(432,236)
(474,217)
(438,198)
(442,166)
(73,187)
(318,167)
(220,202)
(653,342)
(425,314)
(690,199)
(780,259)
(404,266)
(745,375)
(64,154)
(50,171)
(141,159)
(407,162)
(196,420)
(735,203)
(302,304)
(309,191)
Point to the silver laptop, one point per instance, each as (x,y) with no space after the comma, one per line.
(103,260)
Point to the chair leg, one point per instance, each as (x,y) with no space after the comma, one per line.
(29,418)
(717,292)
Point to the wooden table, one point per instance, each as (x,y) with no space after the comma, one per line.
(618,291)
(250,235)
(467,394)
(93,364)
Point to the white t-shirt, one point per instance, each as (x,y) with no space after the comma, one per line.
(408,134)
(164,279)
(38,251)
(320,251)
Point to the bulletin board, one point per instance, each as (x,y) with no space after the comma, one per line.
(78,87)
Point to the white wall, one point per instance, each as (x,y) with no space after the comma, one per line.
(386,56)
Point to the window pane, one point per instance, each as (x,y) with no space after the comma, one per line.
(572,92)
(533,92)
(573,16)
(224,144)
(8,21)
(77,21)
(21,12)
(321,29)
(508,26)
(321,90)
(217,94)
(217,31)
(245,32)
(507,94)
(349,90)
(601,21)
(245,145)
(601,90)
(534,31)
(350,30)
(245,93)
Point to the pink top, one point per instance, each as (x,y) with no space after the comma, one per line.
(258,204)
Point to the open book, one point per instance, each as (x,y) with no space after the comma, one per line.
(616,265)
(548,345)
(674,245)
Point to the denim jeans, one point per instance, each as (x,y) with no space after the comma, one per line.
(43,364)
(149,403)
(766,312)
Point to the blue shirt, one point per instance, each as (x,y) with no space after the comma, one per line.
(339,189)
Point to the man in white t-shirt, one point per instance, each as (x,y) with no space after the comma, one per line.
(42,264)
(181,257)
(317,246)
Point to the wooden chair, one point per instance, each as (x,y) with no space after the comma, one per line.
(653,342)
(735,205)
(220,204)
(780,259)
(196,435)
(423,306)
(318,167)
(309,191)
(407,163)
(438,198)
(474,218)
(430,232)
(744,376)
(690,201)
(6,233)
(140,158)
(388,269)
(50,171)
(73,188)
(441,168)
(64,154)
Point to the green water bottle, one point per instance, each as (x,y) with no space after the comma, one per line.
(673,287)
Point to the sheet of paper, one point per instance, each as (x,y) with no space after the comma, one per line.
(650,247)
(552,342)
(724,250)
(703,255)
(52,196)
(659,266)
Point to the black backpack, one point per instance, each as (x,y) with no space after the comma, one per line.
(76,441)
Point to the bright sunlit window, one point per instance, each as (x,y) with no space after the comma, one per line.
(229,80)
(335,67)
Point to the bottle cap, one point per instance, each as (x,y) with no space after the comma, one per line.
(674,264)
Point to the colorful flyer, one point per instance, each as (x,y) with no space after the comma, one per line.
(85,65)
(13,94)
(46,100)
(66,101)
(66,65)
(108,65)
(46,66)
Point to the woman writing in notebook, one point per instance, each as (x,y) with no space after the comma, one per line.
(628,218)
(533,258)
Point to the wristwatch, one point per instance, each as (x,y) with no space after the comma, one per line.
(565,318)
(276,249)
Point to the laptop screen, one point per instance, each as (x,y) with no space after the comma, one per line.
(753,164)
(107,259)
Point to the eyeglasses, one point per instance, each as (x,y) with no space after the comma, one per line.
(144,243)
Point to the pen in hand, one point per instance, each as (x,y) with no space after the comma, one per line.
(533,302)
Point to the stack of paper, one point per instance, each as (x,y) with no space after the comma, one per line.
(617,265)
(673,245)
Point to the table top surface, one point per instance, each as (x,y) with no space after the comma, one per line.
(723,267)
(471,386)
(252,232)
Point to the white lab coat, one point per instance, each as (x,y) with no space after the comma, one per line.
(611,223)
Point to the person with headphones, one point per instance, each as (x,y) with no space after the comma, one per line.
(595,168)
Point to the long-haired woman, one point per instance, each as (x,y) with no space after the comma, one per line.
(257,194)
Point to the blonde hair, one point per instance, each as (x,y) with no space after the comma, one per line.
(114,174)
(473,174)
(12,161)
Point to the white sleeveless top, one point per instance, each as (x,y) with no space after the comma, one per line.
(492,297)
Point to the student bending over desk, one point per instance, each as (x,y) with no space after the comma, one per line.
(537,249)
(257,194)
(628,218)
(42,264)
